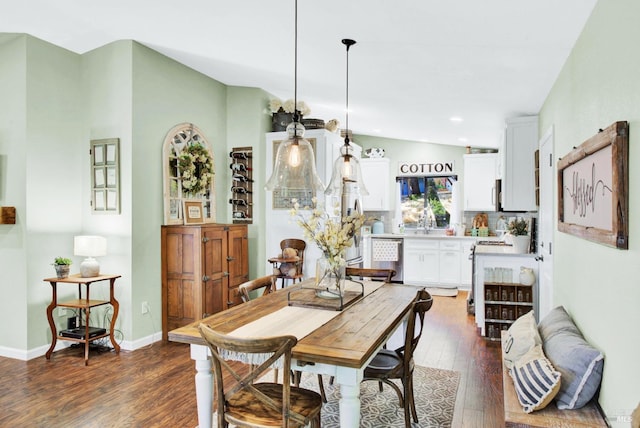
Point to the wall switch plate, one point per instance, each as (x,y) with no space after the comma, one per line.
(145,308)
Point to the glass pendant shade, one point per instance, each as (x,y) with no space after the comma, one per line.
(346,169)
(295,165)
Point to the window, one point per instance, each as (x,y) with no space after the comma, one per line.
(105,176)
(426,201)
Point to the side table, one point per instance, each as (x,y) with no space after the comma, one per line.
(83,304)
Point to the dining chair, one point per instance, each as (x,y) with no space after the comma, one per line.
(260,286)
(398,364)
(246,401)
(373,273)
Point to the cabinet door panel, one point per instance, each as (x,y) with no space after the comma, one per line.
(238,257)
(479,182)
(450,267)
(215,253)
(430,267)
(375,175)
(212,298)
(412,265)
(215,270)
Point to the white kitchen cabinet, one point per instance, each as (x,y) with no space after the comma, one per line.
(376,177)
(421,261)
(518,181)
(450,258)
(466,264)
(480,172)
(437,262)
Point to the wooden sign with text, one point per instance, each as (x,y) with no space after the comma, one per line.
(593,188)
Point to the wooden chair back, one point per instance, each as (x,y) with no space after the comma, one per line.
(245,402)
(420,306)
(266,283)
(385,274)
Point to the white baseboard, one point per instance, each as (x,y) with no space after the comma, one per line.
(26,355)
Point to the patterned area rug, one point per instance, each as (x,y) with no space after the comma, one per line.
(435,394)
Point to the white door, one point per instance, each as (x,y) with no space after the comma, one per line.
(546,223)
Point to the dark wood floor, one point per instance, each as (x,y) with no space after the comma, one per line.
(154,387)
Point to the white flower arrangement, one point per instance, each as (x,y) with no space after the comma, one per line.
(275,105)
(196,168)
(332,237)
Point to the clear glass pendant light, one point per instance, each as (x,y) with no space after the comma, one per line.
(294,170)
(346,168)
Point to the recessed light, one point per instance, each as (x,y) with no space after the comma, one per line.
(376,130)
(463,139)
(455,119)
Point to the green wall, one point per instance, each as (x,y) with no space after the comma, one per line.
(13,119)
(242,104)
(598,285)
(59,102)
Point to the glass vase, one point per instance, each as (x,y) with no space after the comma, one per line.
(330,278)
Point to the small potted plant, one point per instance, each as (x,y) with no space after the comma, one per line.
(61,264)
(519,231)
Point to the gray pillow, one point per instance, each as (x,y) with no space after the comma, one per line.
(579,362)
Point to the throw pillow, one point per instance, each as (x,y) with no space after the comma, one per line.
(535,380)
(521,337)
(580,363)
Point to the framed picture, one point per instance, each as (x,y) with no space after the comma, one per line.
(593,188)
(193,212)
(105,176)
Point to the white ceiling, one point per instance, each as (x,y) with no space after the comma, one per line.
(417,63)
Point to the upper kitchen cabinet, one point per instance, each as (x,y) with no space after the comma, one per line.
(375,175)
(518,181)
(480,173)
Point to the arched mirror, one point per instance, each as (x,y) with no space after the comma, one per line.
(189,195)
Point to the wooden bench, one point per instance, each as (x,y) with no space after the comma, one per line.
(550,416)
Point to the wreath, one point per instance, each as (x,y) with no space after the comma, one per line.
(196,168)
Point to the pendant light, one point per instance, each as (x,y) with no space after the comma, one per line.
(294,172)
(346,168)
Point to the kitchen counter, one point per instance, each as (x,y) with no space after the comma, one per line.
(433,235)
(499,250)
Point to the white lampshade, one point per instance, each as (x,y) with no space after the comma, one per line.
(89,246)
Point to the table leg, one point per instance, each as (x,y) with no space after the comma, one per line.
(116,309)
(52,325)
(349,381)
(204,385)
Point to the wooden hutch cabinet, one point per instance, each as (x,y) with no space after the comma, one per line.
(202,267)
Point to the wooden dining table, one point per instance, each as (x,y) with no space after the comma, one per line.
(341,346)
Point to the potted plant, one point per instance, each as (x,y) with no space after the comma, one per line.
(61,264)
(519,233)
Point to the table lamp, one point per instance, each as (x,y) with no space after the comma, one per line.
(89,246)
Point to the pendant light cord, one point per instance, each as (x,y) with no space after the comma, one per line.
(348,43)
(295,66)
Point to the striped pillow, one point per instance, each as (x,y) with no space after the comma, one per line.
(536,381)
